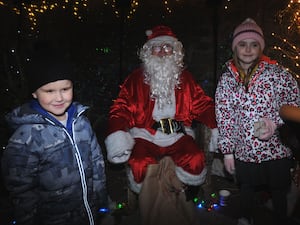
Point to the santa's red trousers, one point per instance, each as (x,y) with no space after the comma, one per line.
(185,154)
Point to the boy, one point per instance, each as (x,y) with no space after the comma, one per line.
(53,166)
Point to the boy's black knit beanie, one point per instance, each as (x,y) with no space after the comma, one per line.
(47,67)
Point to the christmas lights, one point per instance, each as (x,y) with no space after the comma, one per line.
(33,8)
(210,204)
(132,5)
(288,46)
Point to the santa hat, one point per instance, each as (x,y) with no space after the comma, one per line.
(248,30)
(160,33)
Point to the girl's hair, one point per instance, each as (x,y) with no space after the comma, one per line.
(245,75)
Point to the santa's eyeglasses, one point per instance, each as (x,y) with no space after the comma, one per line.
(167,48)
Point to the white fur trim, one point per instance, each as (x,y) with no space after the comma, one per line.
(134,186)
(164,38)
(213,143)
(119,145)
(190,179)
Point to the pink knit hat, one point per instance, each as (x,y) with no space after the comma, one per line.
(160,33)
(248,30)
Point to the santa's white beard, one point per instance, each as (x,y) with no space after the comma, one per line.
(162,75)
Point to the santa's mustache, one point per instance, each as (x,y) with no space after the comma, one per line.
(162,75)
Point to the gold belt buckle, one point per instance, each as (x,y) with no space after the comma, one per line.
(162,125)
(170,125)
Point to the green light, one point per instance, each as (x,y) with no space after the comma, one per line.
(105,50)
(119,206)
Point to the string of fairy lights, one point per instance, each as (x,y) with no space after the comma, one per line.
(212,202)
(34,8)
(289,48)
(134,4)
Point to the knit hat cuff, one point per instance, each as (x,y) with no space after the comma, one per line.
(249,34)
(162,39)
(248,30)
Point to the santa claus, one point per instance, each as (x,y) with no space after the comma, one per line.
(153,114)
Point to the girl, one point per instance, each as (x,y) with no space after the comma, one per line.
(248,97)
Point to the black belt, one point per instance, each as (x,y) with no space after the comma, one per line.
(169,126)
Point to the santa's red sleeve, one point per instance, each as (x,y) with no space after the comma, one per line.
(119,141)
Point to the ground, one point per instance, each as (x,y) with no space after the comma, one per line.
(219,215)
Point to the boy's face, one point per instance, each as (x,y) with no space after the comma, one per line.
(55,97)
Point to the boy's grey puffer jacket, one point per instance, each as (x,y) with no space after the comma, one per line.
(55,174)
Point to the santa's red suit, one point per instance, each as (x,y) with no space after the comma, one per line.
(133,135)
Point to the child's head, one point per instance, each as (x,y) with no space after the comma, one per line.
(50,82)
(247,45)
(248,30)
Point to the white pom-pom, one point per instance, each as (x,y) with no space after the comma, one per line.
(249,20)
(148,32)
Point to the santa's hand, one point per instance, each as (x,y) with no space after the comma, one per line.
(118,146)
(229,163)
(264,129)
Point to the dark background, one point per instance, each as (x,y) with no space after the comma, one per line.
(103,45)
